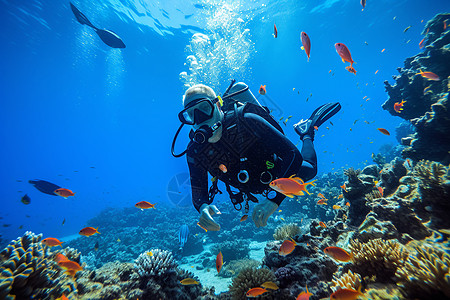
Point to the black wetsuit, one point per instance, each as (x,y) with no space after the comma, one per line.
(264,148)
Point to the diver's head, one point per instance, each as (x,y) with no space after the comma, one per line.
(202,109)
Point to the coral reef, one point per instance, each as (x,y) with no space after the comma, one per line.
(250,278)
(426,274)
(232,249)
(27,270)
(377,258)
(232,268)
(427,102)
(286,231)
(155,262)
(347,280)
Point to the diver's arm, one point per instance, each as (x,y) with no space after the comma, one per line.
(199,183)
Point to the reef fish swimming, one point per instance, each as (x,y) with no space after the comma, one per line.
(292,186)
(145,205)
(262,89)
(345,55)
(88,231)
(219,262)
(51,242)
(189,281)
(45,186)
(255,292)
(306,42)
(398,106)
(287,247)
(429,75)
(338,253)
(347,294)
(64,193)
(25,199)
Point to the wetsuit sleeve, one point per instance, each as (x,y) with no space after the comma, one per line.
(277,143)
(199,183)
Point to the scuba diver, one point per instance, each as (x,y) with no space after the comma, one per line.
(237,141)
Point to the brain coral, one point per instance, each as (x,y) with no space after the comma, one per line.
(28,271)
(250,278)
(154,263)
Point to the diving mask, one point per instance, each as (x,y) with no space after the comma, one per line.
(197,112)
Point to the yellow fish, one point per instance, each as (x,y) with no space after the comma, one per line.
(269,285)
(336,207)
(189,281)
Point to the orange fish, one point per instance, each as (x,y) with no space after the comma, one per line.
(421,43)
(63,297)
(347,204)
(244,217)
(347,294)
(445,25)
(255,292)
(380,189)
(60,257)
(70,265)
(306,42)
(145,205)
(262,89)
(316,128)
(341,196)
(376,71)
(345,55)
(398,106)
(223,168)
(429,75)
(322,224)
(51,242)
(275,31)
(338,253)
(383,50)
(383,131)
(290,187)
(64,193)
(321,195)
(88,231)
(287,247)
(304,295)
(336,207)
(322,201)
(344,187)
(219,262)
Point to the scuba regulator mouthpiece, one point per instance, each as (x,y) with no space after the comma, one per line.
(202,134)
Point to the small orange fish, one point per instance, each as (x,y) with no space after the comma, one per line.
(344,187)
(351,69)
(421,43)
(345,55)
(429,75)
(380,189)
(341,196)
(347,204)
(70,265)
(262,89)
(336,207)
(64,193)
(255,292)
(321,195)
(244,217)
(304,295)
(145,205)
(287,247)
(376,71)
(347,294)
(383,131)
(445,25)
(322,201)
(338,253)
(219,262)
(223,168)
(306,42)
(316,128)
(275,31)
(88,231)
(383,50)
(322,224)
(292,186)
(51,242)
(63,297)
(60,257)
(398,106)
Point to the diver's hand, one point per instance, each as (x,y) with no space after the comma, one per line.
(263,211)
(206,221)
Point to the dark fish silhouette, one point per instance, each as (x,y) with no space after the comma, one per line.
(45,186)
(26,199)
(107,36)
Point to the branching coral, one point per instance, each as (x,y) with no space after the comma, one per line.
(348,280)
(286,231)
(250,278)
(426,274)
(378,258)
(154,263)
(28,271)
(352,175)
(431,172)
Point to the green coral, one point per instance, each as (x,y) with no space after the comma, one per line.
(286,231)
(426,274)
(250,278)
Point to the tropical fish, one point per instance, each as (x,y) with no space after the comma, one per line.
(270,285)
(429,75)
(322,201)
(321,195)
(183,235)
(25,199)
(63,297)
(96,246)
(322,224)
(347,294)
(398,106)
(223,168)
(306,42)
(88,231)
(383,50)
(71,267)
(255,292)
(421,43)
(347,204)
(275,31)
(380,189)
(262,89)
(304,295)
(376,72)
(219,261)
(336,207)
(341,196)
(63,222)
(344,187)
(338,253)
(189,281)
(383,131)
(51,242)
(64,193)
(45,186)
(145,205)
(60,257)
(406,29)
(287,247)
(345,55)
(107,36)
(290,187)
(243,218)
(150,253)
(363,3)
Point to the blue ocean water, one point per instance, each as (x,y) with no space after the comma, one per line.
(100,121)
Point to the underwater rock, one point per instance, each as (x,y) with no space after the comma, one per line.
(233,267)
(232,249)
(250,278)
(427,104)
